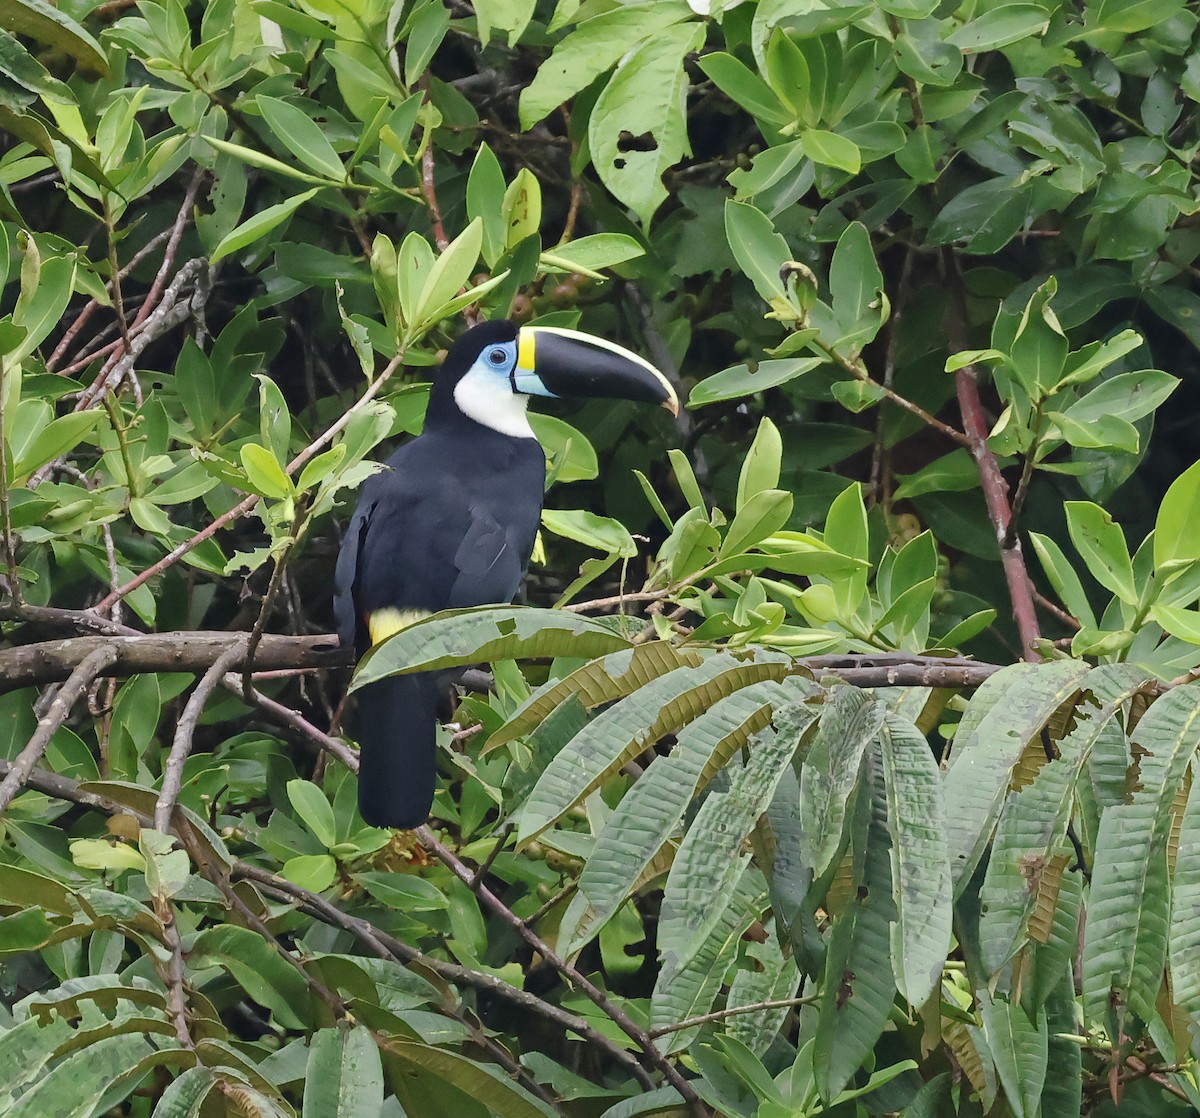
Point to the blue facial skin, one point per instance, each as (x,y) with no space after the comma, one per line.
(501,359)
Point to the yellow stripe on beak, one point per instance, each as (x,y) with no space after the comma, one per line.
(526,349)
(384,623)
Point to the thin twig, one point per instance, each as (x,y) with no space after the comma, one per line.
(617,600)
(629,1027)
(10,542)
(185,728)
(242,507)
(721,1014)
(856,370)
(68,695)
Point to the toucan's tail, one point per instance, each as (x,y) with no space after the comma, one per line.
(395,721)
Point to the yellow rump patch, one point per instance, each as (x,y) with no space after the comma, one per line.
(384,623)
(526,343)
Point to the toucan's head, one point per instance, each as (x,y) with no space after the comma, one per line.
(493,369)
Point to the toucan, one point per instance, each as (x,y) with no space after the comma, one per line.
(451,521)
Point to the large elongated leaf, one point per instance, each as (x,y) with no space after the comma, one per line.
(1020,1049)
(457,638)
(709,862)
(652,809)
(258,968)
(610,677)
(830,771)
(681,993)
(920,864)
(70,1089)
(635,723)
(25,1049)
(1125,939)
(1029,853)
(498,1094)
(1185,911)
(772,977)
(344,1078)
(1005,713)
(858,987)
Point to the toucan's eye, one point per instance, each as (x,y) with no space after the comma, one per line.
(497,356)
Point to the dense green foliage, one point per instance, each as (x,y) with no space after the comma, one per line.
(919,267)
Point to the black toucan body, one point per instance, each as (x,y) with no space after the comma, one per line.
(451,522)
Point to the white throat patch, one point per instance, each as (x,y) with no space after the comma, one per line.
(487,398)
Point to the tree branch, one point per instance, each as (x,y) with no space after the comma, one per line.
(31,665)
(995,489)
(92,665)
(185,728)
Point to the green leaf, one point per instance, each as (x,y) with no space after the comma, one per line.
(681,993)
(43,22)
(744,86)
(485,191)
(450,271)
(831,150)
(481,1082)
(302,136)
(746,380)
(1125,938)
(760,468)
(264,472)
(570,455)
(710,861)
(314,872)
(596,46)
(258,226)
(46,289)
(1000,27)
(830,771)
(846,532)
(1003,716)
(26,1048)
(1101,543)
(920,863)
(1128,396)
(589,254)
(404,892)
(314,809)
(1020,1049)
(344,1076)
(664,705)
(1177,527)
(645,99)
(274,419)
(427,29)
(258,968)
(1184,944)
(255,158)
(763,514)
(600,681)
(759,250)
(855,284)
(60,436)
(1030,853)
(71,1088)
(601,532)
(858,989)
(459,638)
(1063,578)
(186,1093)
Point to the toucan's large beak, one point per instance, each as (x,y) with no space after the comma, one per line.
(552,361)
